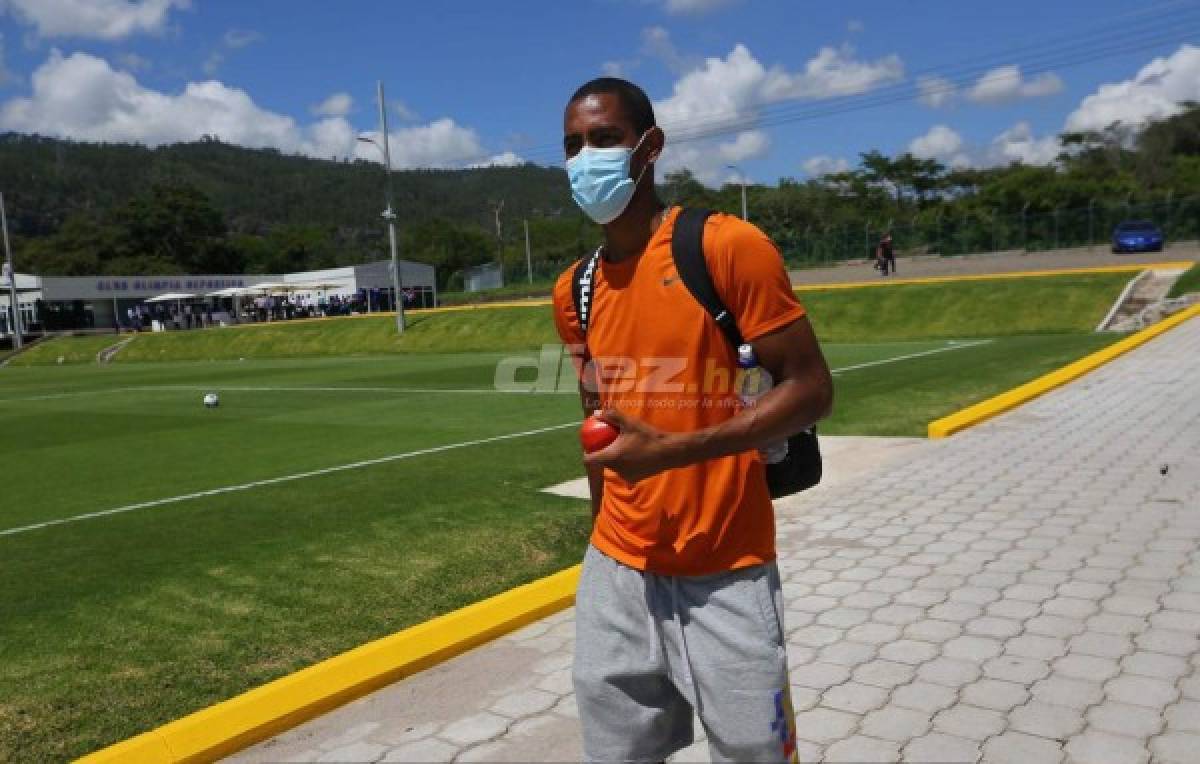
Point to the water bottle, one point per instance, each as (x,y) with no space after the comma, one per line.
(753,383)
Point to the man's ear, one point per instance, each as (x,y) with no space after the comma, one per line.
(655,140)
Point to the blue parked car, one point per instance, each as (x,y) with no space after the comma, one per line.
(1137,236)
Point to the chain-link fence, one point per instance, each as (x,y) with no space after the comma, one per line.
(975,231)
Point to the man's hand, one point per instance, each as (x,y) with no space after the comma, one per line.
(638,452)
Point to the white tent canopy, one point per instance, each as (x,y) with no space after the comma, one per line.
(319,286)
(171,296)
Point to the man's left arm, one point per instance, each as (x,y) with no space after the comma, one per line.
(802,396)
(760,294)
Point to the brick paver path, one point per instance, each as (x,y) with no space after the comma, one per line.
(1027,591)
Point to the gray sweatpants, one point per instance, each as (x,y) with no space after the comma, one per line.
(650,649)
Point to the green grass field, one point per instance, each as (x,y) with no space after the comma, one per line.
(136,590)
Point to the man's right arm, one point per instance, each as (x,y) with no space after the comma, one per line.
(567,325)
(591,404)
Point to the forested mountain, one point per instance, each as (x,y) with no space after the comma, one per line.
(80,209)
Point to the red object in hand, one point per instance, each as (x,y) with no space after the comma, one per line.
(596,434)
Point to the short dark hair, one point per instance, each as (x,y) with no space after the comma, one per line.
(633,99)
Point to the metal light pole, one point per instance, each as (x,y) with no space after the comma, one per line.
(528,255)
(389,214)
(496,210)
(742,180)
(12,279)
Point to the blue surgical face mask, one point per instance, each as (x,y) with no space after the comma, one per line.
(600,182)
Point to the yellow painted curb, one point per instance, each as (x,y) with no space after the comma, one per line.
(882,282)
(1006,401)
(234,724)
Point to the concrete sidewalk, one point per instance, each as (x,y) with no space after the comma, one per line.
(1027,591)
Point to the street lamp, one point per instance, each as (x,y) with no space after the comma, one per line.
(742,180)
(388,214)
(15,328)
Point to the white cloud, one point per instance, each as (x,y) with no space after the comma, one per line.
(1005,83)
(747,145)
(855,26)
(240,38)
(730,92)
(213,63)
(336,105)
(96,19)
(817,166)
(1018,144)
(1154,93)
(940,143)
(656,42)
(441,143)
(935,91)
(133,62)
(835,72)
(82,97)
(695,6)
(505,159)
(403,112)
(613,68)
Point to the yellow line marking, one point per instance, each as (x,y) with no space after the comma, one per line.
(980,412)
(239,722)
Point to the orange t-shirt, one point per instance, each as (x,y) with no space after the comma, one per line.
(662,359)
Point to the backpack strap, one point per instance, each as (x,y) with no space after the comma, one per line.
(687,249)
(582,281)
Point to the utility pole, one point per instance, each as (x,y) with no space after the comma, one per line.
(12,280)
(389,214)
(496,209)
(528,255)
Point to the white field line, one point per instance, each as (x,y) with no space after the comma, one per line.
(411,390)
(283,479)
(882,361)
(76,394)
(448,390)
(381,459)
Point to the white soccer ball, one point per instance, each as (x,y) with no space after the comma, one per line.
(211,401)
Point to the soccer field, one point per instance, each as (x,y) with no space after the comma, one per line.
(159,556)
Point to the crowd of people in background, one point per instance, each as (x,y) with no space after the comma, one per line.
(185,315)
(142,317)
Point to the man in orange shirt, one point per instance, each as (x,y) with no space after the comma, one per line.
(679,607)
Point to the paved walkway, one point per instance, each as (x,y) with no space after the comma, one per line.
(1027,591)
(994,262)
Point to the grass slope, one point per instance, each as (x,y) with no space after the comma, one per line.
(994,308)
(1188,282)
(1005,307)
(71,349)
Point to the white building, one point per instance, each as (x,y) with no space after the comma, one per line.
(102,302)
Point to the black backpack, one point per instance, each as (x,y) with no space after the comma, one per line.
(801,469)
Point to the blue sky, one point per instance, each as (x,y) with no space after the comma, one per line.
(474,82)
